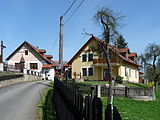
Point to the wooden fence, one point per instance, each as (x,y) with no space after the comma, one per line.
(120,91)
(71,104)
(128,91)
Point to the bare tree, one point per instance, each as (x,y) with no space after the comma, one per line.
(151,61)
(109,22)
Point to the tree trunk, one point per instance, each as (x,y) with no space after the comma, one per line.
(110,95)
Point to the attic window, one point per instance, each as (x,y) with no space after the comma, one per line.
(84,58)
(26,52)
(90,57)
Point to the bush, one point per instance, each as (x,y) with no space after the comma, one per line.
(119,79)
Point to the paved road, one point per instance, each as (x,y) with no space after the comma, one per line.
(18,102)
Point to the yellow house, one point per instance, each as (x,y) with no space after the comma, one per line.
(89,63)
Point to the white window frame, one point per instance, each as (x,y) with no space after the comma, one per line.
(130,72)
(136,75)
(82,71)
(126,71)
(88,56)
(87,70)
(82,57)
(25,51)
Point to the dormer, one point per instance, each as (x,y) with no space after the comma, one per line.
(49,56)
(41,51)
(124,52)
(132,56)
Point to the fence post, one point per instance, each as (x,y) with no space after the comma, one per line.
(98,90)
(92,92)
(153,93)
(126,91)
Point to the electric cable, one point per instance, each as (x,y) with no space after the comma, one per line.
(74,12)
(69,8)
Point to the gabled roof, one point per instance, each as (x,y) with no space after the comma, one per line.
(38,51)
(111,47)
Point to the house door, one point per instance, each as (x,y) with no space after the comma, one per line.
(105,74)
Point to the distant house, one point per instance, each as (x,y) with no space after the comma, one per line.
(91,65)
(31,58)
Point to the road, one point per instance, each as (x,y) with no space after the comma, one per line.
(18,102)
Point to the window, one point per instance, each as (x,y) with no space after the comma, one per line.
(129,72)
(90,57)
(33,66)
(84,58)
(26,52)
(84,71)
(135,73)
(126,72)
(90,71)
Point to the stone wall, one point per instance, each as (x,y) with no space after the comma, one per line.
(23,78)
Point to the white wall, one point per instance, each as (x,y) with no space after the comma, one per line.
(48,74)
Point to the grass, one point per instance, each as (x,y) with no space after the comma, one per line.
(137,110)
(141,85)
(130,109)
(6,73)
(46,107)
(106,82)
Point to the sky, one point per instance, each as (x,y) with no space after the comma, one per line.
(37,21)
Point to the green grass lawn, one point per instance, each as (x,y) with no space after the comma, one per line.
(137,110)
(106,82)
(130,109)
(47,111)
(6,73)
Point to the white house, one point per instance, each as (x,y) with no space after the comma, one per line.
(31,58)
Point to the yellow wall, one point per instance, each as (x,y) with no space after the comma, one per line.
(132,77)
(77,64)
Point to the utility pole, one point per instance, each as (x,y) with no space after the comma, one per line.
(61,44)
(2,47)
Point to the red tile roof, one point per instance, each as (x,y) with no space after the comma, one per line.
(41,50)
(132,55)
(48,66)
(122,50)
(49,56)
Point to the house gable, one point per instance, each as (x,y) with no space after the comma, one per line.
(39,53)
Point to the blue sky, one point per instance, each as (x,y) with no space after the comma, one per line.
(37,21)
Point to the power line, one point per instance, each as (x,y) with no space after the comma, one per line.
(74,12)
(69,8)
(54,43)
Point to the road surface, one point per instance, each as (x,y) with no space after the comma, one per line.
(18,102)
